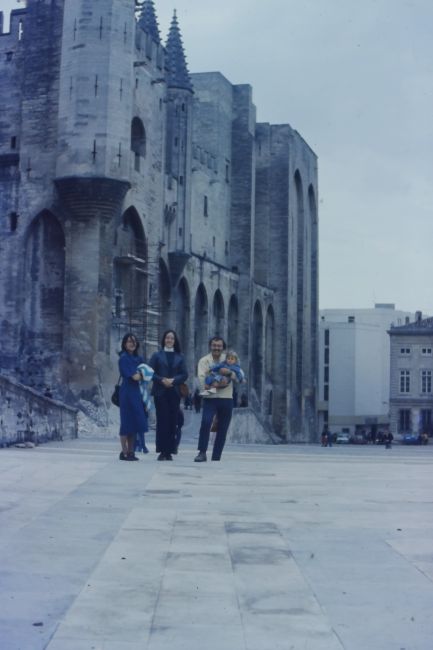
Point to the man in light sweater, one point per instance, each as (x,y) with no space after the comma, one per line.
(219,404)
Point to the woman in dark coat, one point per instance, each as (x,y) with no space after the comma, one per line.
(170,372)
(133,418)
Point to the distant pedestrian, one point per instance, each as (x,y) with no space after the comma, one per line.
(324,436)
(388,438)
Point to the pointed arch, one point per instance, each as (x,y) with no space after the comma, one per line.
(218,313)
(201,322)
(183,314)
(300,254)
(131,238)
(44,275)
(233,323)
(270,344)
(257,349)
(130,271)
(164,296)
(43,293)
(314,278)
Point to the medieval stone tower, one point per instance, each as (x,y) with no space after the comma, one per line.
(136,196)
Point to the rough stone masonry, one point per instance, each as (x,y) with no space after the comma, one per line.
(135,196)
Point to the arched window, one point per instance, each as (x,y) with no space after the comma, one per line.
(138,141)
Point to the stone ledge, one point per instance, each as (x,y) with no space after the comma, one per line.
(26,415)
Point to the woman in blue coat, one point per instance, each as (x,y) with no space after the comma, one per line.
(170,372)
(133,418)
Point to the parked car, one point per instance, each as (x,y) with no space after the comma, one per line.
(411,438)
(342,439)
(358,439)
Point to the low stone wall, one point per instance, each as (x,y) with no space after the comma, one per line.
(246,428)
(28,416)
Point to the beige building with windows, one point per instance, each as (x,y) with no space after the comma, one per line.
(411,396)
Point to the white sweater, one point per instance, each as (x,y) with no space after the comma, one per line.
(204,366)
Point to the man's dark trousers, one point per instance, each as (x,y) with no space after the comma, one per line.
(222,408)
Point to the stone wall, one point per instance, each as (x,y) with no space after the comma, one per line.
(132,204)
(211,166)
(246,428)
(26,415)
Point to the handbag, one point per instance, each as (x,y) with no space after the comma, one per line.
(184,390)
(115,397)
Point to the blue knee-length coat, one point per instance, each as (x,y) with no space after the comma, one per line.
(133,418)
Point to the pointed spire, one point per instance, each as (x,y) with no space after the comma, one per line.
(178,75)
(147,20)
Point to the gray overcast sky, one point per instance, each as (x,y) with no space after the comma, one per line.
(355,78)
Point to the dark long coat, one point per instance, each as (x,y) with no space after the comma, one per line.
(167,400)
(133,418)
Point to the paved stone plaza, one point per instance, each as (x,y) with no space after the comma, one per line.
(274,548)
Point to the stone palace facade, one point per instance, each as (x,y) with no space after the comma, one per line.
(136,196)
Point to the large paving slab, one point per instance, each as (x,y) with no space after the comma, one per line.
(275,547)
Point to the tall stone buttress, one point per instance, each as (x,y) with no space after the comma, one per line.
(92,173)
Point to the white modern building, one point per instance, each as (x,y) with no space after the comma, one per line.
(354,363)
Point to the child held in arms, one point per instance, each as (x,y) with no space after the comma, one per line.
(216,379)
